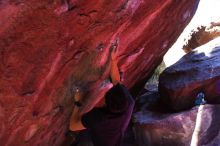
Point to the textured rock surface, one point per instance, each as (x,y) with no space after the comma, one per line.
(50,47)
(153,129)
(197,71)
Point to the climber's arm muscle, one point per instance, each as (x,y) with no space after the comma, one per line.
(115,75)
(75,120)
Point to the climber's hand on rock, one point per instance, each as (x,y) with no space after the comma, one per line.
(114,51)
(77,95)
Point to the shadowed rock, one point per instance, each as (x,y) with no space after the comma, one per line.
(198,71)
(156,129)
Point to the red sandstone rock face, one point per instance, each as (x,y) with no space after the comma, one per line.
(198,71)
(50,47)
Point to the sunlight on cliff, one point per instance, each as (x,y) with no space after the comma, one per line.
(195,136)
(208,11)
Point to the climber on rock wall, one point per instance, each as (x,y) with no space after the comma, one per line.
(107,124)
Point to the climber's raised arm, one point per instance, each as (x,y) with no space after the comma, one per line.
(75,120)
(114,71)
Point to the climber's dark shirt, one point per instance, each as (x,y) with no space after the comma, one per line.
(106,128)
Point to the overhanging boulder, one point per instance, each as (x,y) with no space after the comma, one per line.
(49,48)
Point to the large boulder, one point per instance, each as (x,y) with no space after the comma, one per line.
(48,48)
(197,71)
(199,126)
